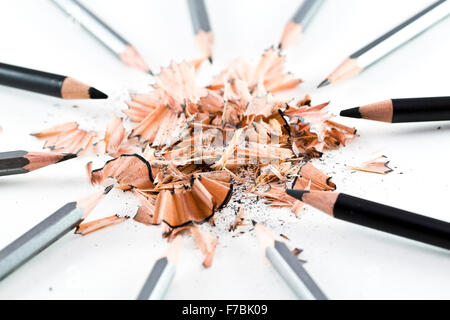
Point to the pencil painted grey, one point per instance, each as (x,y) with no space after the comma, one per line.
(377,49)
(46,232)
(299,22)
(162,274)
(289,267)
(202,27)
(105,34)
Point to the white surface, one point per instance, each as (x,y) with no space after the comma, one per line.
(347,261)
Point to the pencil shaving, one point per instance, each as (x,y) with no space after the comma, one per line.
(92,226)
(378,165)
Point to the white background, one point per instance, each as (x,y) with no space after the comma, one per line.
(349,262)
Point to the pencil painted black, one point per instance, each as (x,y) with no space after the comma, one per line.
(47,232)
(297,25)
(378,216)
(403,110)
(387,43)
(47,83)
(202,27)
(20,161)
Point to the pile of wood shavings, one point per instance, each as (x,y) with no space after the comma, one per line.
(191,146)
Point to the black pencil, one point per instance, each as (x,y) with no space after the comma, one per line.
(378,216)
(387,43)
(403,110)
(47,83)
(297,25)
(18,162)
(202,27)
(31,243)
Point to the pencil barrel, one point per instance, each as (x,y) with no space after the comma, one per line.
(392,220)
(293,272)
(31,80)
(306,12)
(94,25)
(199,16)
(421,109)
(158,281)
(39,238)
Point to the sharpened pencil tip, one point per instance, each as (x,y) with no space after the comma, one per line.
(351,113)
(150,72)
(324,83)
(68,156)
(210,59)
(108,189)
(297,194)
(96,94)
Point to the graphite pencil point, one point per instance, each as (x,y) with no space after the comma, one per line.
(108,189)
(297,194)
(324,83)
(210,59)
(351,113)
(68,156)
(96,94)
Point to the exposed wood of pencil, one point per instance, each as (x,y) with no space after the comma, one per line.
(162,273)
(132,58)
(378,216)
(403,110)
(205,41)
(46,232)
(288,265)
(291,33)
(299,22)
(17,162)
(46,83)
(347,69)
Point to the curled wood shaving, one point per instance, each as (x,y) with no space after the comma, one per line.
(378,165)
(92,226)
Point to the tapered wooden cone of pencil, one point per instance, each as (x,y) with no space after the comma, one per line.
(18,162)
(403,110)
(50,84)
(46,232)
(289,266)
(104,33)
(202,27)
(162,273)
(378,216)
(299,22)
(387,43)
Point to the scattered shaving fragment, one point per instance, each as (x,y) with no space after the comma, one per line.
(378,165)
(239,221)
(92,226)
(206,243)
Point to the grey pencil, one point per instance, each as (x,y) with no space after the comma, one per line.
(162,274)
(202,27)
(387,43)
(46,232)
(299,22)
(289,267)
(104,33)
